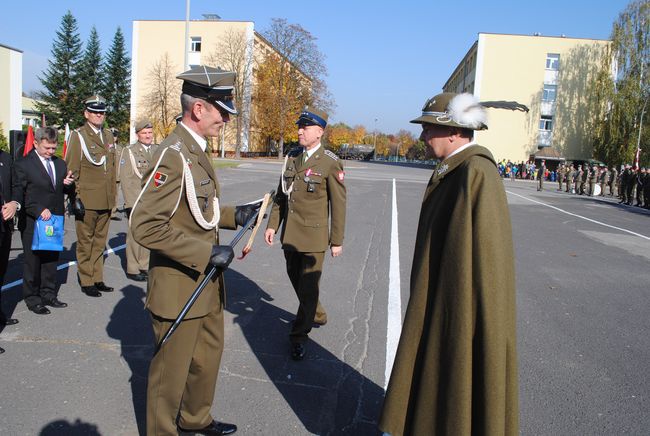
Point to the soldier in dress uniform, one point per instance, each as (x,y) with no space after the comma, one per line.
(622,184)
(577,180)
(630,184)
(603,179)
(560,176)
(568,177)
(640,180)
(91,158)
(583,180)
(592,179)
(134,162)
(177,216)
(310,193)
(613,180)
(541,174)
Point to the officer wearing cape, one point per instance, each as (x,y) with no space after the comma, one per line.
(455,371)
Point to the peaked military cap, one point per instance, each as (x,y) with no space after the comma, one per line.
(142,124)
(211,84)
(96,103)
(454,110)
(312,117)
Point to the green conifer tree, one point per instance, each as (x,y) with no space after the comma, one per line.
(90,71)
(61,103)
(117,85)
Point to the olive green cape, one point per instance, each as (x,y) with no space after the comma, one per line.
(455,372)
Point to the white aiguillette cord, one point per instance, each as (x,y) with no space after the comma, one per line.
(260,217)
(193,203)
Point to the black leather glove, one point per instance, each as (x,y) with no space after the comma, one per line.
(243,213)
(221,256)
(76,208)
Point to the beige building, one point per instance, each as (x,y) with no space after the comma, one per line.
(550,75)
(11,88)
(162,43)
(31,116)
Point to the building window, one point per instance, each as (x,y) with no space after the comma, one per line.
(550,92)
(195,44)
(552,61)
(546,123)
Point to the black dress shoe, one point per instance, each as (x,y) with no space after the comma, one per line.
(91,291)
(297,351)
(145,272)
(215,428)
(139,277)
(2,350)
(102,287)
(8,321)
(39,309)
(55,302)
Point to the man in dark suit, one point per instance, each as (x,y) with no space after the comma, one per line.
(41,179)
(9,209)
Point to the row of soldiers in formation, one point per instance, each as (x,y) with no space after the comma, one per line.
(627,184)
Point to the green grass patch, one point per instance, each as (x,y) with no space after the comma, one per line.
(218,163)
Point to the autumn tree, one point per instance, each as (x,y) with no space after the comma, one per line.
(294,77)
(234,52)
(162,98)
(620,99)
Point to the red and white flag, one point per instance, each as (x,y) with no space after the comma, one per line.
(29,141)
(636,159)
(65,139)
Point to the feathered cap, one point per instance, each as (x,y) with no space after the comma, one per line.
(461,110)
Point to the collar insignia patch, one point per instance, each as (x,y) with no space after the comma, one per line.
(443,169)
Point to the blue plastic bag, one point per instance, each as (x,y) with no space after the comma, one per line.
(48,235)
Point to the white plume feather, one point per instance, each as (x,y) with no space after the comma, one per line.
(466,110)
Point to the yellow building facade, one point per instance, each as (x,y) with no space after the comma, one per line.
(162,43)
(550,75)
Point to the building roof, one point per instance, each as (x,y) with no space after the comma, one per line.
(539,35)
(11,48)
(549,153)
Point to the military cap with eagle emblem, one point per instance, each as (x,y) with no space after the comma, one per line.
(464,111)
(96,103)
(311,116)
(211,84)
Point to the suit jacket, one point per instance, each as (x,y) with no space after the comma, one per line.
(317,201)
(95,184)
(32,182)
(161,221)
(5,188)
(130,182)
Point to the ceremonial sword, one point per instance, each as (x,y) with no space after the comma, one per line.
(252,223)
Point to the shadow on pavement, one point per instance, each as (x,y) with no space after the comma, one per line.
(62,427)
(130,324)
(325,393)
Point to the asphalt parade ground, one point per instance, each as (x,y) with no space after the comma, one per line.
(583,328)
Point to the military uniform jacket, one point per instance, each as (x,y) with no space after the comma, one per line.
(318,195)
(95,181)
(161,220)
(134,162)
(455,370)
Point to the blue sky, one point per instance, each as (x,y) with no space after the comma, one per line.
(385,58)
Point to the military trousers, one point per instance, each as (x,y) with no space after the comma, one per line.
(612,189)
(183,374)
(92,231)
(137,257)
(304,270)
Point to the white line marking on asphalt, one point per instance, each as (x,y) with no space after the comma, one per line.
(394,325)
(62,266)
(582,217)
